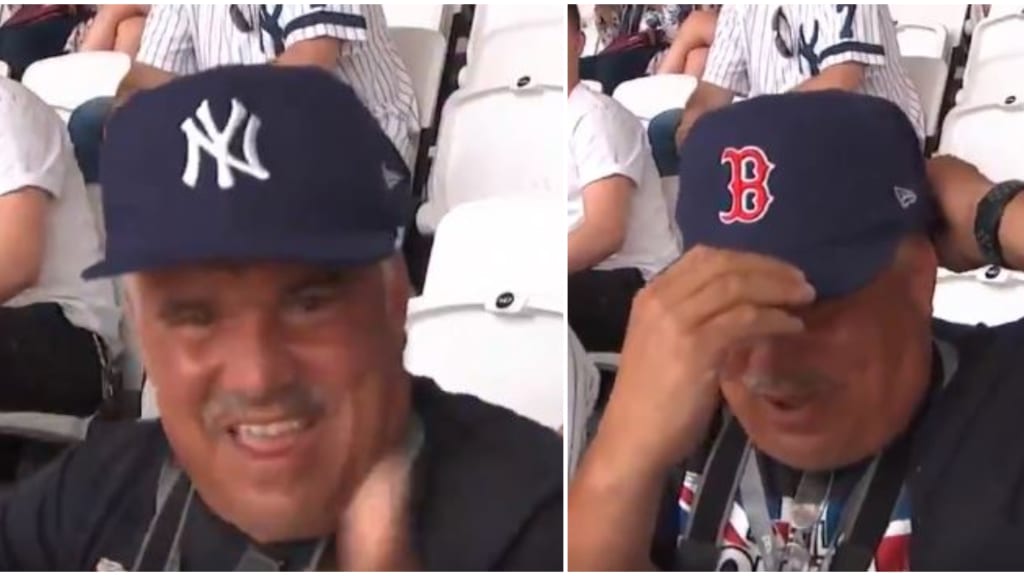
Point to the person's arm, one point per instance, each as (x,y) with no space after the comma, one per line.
(609,149)
(603,230)
(851,40)
(23,220)
(102,32)
(314,34)
(166,51)
(725,73)
(959,186)
(846,76)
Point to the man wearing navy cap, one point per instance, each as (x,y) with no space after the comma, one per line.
(855,432)
(253,213)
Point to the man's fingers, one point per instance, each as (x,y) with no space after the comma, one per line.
(374,531)
(737,289)
(703,266)
(744,323)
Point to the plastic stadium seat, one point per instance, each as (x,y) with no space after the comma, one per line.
(496,142)
(503,346)
(929,76)
(65,82)
(513,52)
(436,17)
(988,136)
(502,243)
(994,63)
(423,52)
(670,191)
(5,70)
(925,40)
(650,95)
(983,296)
(490,18)
(1002,9)
(949,16)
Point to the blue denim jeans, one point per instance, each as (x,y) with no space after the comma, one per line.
(662,134)
(86,129)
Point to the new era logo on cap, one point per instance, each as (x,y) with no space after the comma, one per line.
(808,178)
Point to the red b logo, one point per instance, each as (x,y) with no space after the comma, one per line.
(750,196)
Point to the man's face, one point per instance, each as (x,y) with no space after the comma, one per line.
(278,385)
(841,391)
(575,45)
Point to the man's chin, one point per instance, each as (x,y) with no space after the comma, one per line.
(270,518)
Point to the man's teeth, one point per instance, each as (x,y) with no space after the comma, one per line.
(271,430)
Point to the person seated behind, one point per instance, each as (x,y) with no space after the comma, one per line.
(351,41)
(770,49)
(620,233)
(58,330)
(290,435)
(810,315)
(115,27)
(688,52)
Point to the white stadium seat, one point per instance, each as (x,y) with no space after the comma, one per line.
(949,16)
(66,82)
(5,70)
(648,96)
(496,142)
(593,85)
(584,384)
(1002,9)
(512,52)
(501,243)
(423,53)
(925,40)
(988,136)
(437,17)
(929,76)
(994,62)
(979,297)
(490,18)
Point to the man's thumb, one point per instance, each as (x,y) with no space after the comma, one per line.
(374,530)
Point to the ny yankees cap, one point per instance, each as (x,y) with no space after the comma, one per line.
(830,182)
(249,163)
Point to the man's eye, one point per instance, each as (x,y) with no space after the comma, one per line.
(192,316)
(311,300)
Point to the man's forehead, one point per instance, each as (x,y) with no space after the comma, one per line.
(256,275)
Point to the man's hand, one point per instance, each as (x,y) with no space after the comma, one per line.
(374,532)
(667,391)
(958,187)
(681,326)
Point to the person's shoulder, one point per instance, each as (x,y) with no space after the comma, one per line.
(491,484)
(603,111)
(24,115)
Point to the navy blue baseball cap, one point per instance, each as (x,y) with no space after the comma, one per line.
(830,182)
(245,164)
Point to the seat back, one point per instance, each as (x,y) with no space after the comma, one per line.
(506,243)
(924,40)
(5,70)
(950,16)
(436,17)
(423,52)
(504,347)
(929,77)
(984,296)
(65,82)
(493,143)
(507,54)
(988,136)
(648,96)
(490,18)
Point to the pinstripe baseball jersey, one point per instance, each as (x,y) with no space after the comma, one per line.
(184,39)
(746,56)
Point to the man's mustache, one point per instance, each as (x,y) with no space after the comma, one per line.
(292,401)
(790,385)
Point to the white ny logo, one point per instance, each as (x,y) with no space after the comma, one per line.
(216,142)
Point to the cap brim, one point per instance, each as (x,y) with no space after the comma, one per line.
(840,270)
(356,250)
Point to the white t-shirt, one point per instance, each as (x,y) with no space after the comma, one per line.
(745,59)
(186,38)
(605,140)
(35,150)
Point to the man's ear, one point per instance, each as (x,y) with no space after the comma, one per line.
(397,291)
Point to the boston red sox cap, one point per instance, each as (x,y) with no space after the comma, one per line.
(830,182)
(249,163)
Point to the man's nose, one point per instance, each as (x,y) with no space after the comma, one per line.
(255,358)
